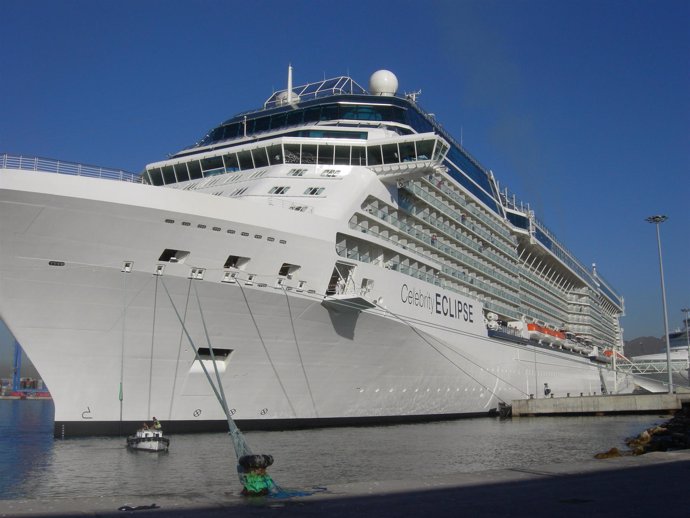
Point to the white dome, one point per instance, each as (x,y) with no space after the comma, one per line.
(383,82)
(281,98)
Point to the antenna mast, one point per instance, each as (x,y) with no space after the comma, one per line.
(289,85)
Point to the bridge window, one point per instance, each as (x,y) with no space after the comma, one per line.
(168,175)
(275,154)
(342,155)
(231,163)
(260,157)
(326,154)
(374,155)
(390,154)
(245,158)
(194,170)
(181,172)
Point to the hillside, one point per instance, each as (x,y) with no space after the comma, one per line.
(643,345)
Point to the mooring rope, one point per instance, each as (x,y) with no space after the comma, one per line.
(268,356)
(422,337)
(179,352)
(241,446)
(299,353)
(153,337)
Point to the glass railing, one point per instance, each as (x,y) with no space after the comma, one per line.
(469,280)
(47,165)
(485,217)
(453,214)
(453,252)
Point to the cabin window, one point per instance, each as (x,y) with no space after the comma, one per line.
(279,190)
(314,191)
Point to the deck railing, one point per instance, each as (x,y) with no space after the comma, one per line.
(47,165)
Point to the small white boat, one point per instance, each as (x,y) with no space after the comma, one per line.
(148,440)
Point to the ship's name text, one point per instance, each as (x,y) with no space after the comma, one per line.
(437,303)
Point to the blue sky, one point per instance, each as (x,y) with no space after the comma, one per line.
(581,108)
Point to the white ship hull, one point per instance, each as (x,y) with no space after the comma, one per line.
(95,332)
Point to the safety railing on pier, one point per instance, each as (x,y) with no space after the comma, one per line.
(47,165)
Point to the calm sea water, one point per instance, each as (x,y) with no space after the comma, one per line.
(35,465)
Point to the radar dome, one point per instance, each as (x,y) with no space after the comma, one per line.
(383,82)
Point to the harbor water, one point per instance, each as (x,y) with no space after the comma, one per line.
(35,465)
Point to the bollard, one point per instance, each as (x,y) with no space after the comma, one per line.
(253,476)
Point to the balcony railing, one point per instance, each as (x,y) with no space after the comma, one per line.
(47,165)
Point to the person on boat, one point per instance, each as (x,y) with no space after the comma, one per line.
(547,390)
(156,424)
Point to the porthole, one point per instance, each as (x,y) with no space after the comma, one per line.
(245,234)
(271,239)
(257,236)
(170,221)
(283,242)
(231,231)
(201,225)
(216,229)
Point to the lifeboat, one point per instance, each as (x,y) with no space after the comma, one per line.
(545,334)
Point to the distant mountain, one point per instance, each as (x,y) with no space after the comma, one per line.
(644,345)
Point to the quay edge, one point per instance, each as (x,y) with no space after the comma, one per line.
(600,405)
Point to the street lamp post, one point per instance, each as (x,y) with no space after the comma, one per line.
(657,220)
(687,334)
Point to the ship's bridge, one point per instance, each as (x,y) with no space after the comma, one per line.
(389,158)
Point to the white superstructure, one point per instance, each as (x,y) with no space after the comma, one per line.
(335,255)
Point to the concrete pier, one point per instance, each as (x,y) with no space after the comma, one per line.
(649,485)
(599,405)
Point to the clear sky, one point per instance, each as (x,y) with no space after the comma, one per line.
(581,108)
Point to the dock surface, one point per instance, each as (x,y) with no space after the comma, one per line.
(654,484)
(599,404)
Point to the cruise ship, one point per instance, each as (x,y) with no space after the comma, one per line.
(335,255)
(654,366)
